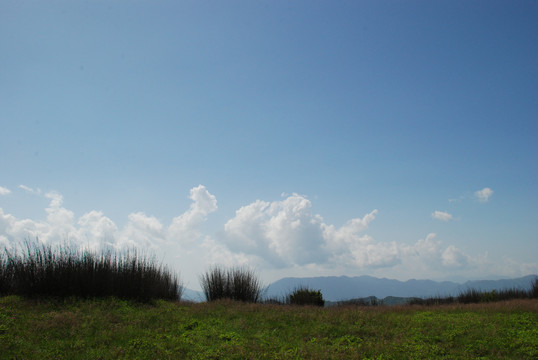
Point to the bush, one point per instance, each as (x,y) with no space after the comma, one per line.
(306,296)
(44,271)
(237,283)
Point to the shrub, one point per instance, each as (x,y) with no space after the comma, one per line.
(236,283)
(41,270)
(306,296)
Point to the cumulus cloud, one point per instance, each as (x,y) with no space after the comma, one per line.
(348,233)
(442,215)
(282,232)
(429,257)
(278,236)
(14,229)
(4,191)
(185,228)
(349,246)
(93,229)
(484,194)
(287,234)
(428,248)
(56,213)
(141,231)
(454,257)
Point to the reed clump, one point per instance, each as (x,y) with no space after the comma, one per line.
(236,283)
(40,270)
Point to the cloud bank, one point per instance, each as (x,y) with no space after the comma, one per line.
(283,235)
(4,191)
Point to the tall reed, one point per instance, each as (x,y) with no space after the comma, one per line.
(236,283)
(41,270)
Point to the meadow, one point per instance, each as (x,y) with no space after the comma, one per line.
(122,329)
(63,303)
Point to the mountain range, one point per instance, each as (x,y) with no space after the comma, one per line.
(337,288)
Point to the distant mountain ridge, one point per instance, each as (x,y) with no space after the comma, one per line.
(338,288)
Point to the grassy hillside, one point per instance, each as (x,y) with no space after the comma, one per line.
(116,329)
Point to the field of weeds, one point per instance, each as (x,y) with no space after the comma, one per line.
(116,329)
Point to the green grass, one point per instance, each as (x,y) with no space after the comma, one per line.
(120,329)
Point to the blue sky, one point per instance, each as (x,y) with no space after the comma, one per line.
(388,138)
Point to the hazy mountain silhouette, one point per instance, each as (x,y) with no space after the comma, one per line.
(335,288)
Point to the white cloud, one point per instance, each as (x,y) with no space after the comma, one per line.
(142,231)
(365,252)
(95,229)
(426,249)
(280,237)
(4,191)
(284,232)
(441,215)
(4,242)
(347,245)
(348,233)
(30,190)
(484,194)
(15,229)
(454,257)
(56,213)
(185,228)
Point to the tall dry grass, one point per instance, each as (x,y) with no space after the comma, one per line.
(236,283)
(40,270)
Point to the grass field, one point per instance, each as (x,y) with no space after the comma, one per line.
(116,329)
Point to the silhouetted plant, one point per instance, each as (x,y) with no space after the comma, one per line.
(41,270)
(435,300)
(477,296)
(306,296)
(533,292)
(369,301)
(6,274)
(275,301)
(237,283)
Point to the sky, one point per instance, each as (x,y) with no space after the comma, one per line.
(396,139)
